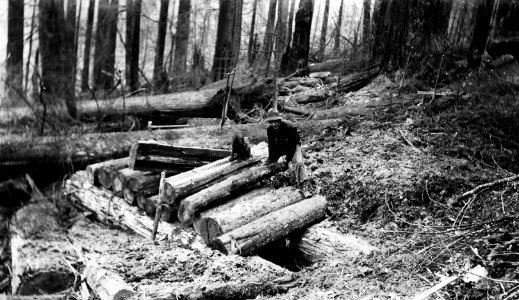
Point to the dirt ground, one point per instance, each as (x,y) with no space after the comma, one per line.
(392,176)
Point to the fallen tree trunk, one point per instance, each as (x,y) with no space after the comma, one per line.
(155,156)
(356,81)
(252,236)
(228,187)
(97,178)
(242,210)
(191,182)
(107,208)
(106,284)
(320,241)
(311,96)
(41,256)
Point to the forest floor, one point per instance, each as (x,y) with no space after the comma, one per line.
(392,177)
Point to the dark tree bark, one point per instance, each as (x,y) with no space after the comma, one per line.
(366,22)
(281,31)
(182,36)
(481,30)
(56,53)
(159,73)
(70,52)
(227,38)
(251,36)
(268,40)
(104,57)
(298,58)
(133,28)
(337,46)
(14,60)
(88,46)
(324,30)
(290,22)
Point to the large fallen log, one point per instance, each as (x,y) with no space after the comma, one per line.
(242,210)
(311,96)
(230,186)
(41,256)
(97,173)
(106,284)
(155,156)
(115,211)
(249,238)
(356,81)
(191,182)
(321,241)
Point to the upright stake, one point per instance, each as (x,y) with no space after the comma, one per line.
(162,201)
(228,89)
(437,77)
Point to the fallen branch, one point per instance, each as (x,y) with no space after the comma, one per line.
(409,142)
(482,187)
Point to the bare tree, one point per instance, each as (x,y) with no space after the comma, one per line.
(481,30)
(281,30)
(228,34)
(14,62)
(88,46)
(104,57)
(182,36)
(324,29)
(268,40)
(366,22)
(290,22)
(159,73)
(133,28)
(337,45)
(251,35)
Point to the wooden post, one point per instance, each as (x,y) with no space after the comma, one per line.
(437,78)
(159,205)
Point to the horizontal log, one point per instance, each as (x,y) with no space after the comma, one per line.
(106,207)
(122,176)
(230,186)
(311,96)
(242,210)
(356,81)
(249,238)
(93,170)
(168,213)
(191,182)
(40,253)
(159,156)
(106,284)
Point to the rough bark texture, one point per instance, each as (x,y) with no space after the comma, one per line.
(320,242)
(14,61)
(159,71)
(256,234)
(133,26)
(324,30)
(356,81)
(298,58)
(106,284)
(251,45)
(242,210)
(270,34)
(182,36)
(106,207)
(290,22)
(85,84)
(366,22)
(41,256)
(337,38)
(154,156)
(191,182)
(226,188)
(104,62)
(97,172)
(310,96)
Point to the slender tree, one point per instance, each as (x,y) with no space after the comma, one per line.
(298,58)
(88,44)
(268,40)
(481,30)
(290,22)
(324,30)
(251,35)
(14,62)
(182,36)
(159,73)
(366,22)
(104,63)
(281,30)
(71,55)
(337,45)
(227,38)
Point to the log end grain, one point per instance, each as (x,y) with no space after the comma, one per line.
(129,196)
(209,229)
(45,282)
(105,178)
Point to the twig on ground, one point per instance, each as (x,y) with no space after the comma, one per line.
(409,142)
(485,186)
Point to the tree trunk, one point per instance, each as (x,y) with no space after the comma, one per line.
(481,30)
(191,182)
(281,33)
(71,57)
(231,186)
(270,34)
(291,22)
(251,35)
(88,42)
(338,28)
(227,38)
(324,30)
(298,58)
(271,227)
(154,156)
(106,284)
(159,72)
(14,61)
(104,63)
(97,172)
(106,207)
(320,242)
(182,36)
(357,81)
(133,27)
(41,255)
(242,210)
(122,178)
(311,96)
(366,23)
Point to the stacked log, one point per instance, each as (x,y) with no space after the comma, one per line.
(232,185)
(42,258)
(99,173)
(249,238)
(106,284)
(155,156)
(242,210)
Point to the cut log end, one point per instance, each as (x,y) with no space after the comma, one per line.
(46,282)
(129,196)
(209,229)
(105,178)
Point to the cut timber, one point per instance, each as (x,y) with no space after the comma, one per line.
(228,187)
(242,210)
(294,110)
(156,156)
(309,82)
(356,81)
(121,177)
(108,208)
(42,258)
(279,224)
(188,183)
(168,212)
(321,241)
(106,284)
(311,96)
(93,170)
